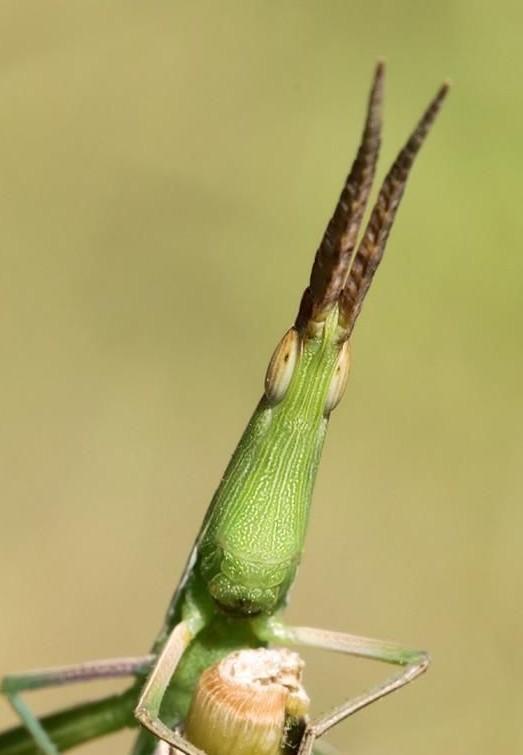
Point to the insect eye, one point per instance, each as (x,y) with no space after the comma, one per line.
(338,380)
(282,365)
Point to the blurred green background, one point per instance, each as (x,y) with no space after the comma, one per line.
(167,170)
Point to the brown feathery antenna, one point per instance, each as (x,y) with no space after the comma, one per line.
(331,264)
(372,245)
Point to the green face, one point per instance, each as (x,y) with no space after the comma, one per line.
(253,541)
(243,588)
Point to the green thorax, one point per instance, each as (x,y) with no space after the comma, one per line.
(253,539)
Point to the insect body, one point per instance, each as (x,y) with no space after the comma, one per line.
(237,578)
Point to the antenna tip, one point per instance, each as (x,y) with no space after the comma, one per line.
(379,71)
(444,89)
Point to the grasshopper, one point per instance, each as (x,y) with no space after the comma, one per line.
(235,585)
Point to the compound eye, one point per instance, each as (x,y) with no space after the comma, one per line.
(282,365)
(338,380)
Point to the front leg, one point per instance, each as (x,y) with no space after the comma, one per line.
(414,663)
(148,708)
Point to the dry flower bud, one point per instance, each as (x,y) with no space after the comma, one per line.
(250,703)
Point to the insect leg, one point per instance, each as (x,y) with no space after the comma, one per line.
(11,686)
(413,663)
